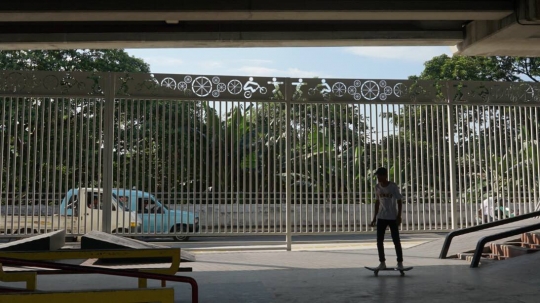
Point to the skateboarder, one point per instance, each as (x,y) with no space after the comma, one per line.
(387,214)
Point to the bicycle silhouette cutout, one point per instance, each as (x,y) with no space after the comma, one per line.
(252,87)
(322,88)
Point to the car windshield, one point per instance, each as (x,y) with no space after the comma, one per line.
(119,202)
(115,202)
(123,201)
(154,200)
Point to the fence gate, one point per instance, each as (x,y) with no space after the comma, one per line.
(194,155)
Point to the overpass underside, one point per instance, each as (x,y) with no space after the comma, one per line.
(496,27)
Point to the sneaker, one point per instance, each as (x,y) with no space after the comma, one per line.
(381,266)
(399,265)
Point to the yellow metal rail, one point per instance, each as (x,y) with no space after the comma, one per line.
(162,295)
(29,276)
(40,264)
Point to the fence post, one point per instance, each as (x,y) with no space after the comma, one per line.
(452,154)
(288,198)
(108,144)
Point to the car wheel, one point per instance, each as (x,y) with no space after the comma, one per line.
(180,238)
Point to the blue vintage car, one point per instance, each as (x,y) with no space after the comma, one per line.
(157,218)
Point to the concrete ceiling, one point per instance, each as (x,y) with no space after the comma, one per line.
(492,27)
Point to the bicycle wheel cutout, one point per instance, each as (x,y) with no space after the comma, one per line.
(50,82)
(234,87)
(168,83)
(370,90)
(339,89)
(222,87)
(201,86)
(182,86)
(399,90)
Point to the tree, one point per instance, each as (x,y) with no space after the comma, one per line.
(474,126)
(510,69)
(29,122)
(116,60)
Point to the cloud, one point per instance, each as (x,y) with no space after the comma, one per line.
(163,61)
(406,53)
(210,64)
(255,61)
(240,67)
(262,71)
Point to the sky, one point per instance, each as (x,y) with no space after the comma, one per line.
(323,62)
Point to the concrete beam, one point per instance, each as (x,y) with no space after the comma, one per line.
(165,16)
(230,39)
(528,11)
(62,35)
(515,35)
(159,10)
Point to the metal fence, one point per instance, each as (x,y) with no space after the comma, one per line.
(237,155)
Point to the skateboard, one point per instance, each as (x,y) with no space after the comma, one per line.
(401,271)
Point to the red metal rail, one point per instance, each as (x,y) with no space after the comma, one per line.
(107,271)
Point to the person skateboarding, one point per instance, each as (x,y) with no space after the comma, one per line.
(387,214)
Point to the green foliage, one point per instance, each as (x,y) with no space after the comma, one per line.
(473,126)
(28,135)
(464,68)
(116,60)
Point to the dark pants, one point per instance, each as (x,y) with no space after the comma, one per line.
(381,228)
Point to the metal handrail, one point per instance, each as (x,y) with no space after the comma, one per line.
(107,271)
(451,235)
(482,242)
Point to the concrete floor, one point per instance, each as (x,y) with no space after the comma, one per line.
(325,275)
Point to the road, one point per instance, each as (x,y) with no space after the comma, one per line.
(279,241)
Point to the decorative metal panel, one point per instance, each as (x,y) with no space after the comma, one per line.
(51,83)
(476,92)
(240,88)
(276,89)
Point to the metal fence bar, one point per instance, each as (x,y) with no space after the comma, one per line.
(288,179)
(432,224)
(501,133)
(2,162)
(408,169)
(452,168)
(535,155)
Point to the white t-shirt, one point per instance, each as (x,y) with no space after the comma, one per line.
(387,197)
